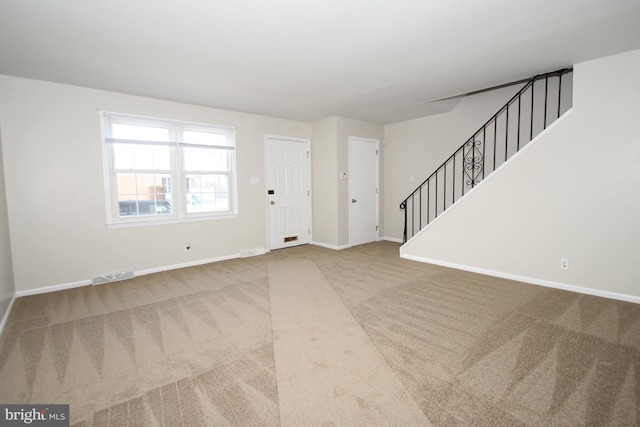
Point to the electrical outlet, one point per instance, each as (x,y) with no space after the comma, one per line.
(187,247)
(564,264)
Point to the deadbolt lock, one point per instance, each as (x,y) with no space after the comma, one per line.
(273,203)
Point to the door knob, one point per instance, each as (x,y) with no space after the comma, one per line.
(353,200)
(273,203)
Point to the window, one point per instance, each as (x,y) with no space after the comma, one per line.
(166,170)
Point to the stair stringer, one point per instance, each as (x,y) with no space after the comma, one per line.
(477,191)
(486,181)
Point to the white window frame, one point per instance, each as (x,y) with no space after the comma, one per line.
(177,171)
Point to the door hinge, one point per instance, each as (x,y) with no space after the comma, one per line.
(376,152)
(308,153)
(376,228)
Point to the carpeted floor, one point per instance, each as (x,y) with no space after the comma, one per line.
(328,370)
(196,346)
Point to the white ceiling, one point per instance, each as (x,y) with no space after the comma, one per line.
(375,60)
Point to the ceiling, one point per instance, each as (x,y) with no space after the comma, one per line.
(381,61)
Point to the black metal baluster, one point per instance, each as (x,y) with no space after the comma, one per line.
(444,188)
(559,92)
(519,108)
(532,106)
(495,140)
(428,202)
(420,213)
(473,162)
(506,135)
(453,184)
(546,91)
(484,144)
(464,156)
(404,233)
(436,203)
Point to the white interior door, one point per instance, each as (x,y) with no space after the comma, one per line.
(288,191)
(363,190)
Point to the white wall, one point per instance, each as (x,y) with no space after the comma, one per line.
(574,194)
(417,147)
(7,286)
(324,167)
(55,189)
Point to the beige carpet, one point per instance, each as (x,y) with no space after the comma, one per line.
(196,347)
(328,371)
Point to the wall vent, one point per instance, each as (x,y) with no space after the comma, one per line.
(112,277)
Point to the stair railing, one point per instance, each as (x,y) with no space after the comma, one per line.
(542,100)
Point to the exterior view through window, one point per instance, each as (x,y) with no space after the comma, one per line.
(159,169)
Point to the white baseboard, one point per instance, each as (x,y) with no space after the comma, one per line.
(525,279)
(334,247)
(52,288)
(392,239)
(77,284)
(5,318)
(185,264)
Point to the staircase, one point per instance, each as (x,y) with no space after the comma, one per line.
(541,101)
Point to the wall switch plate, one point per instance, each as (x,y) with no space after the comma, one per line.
(564,264)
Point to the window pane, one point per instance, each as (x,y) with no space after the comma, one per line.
(139,132)
(205,159)
(205,138)
(149,157)
(162,158)
(207,193)
(143,194)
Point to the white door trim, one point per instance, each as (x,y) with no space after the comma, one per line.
(377,143)
(307,141)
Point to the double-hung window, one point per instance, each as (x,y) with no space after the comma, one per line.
(160,170)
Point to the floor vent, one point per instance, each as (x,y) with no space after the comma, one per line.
(251,252)
(112,277)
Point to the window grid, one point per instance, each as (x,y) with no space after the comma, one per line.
(152,173)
